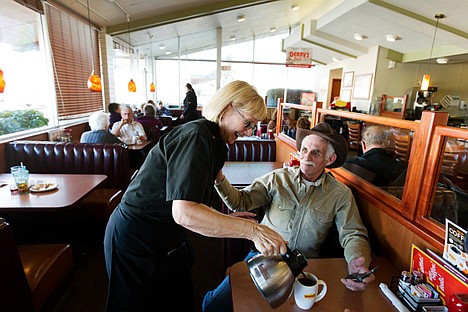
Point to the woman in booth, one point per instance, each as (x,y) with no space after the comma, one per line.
(148,255)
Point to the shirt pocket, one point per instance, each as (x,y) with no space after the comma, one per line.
(322,217)
(282,213)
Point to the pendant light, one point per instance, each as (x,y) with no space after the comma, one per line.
(427,78)
(2,82)
(152,86)
(94,81)
(131,84)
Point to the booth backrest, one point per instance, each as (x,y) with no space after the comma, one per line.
(75,158)
(252,150)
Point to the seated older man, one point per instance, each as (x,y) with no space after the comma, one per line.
(99,124)
(127,128)
(303,205)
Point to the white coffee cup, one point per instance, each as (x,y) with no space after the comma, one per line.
(306,295)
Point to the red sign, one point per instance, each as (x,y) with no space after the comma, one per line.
(299,57)
(444,281)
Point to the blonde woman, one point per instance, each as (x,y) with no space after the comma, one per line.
(148,255)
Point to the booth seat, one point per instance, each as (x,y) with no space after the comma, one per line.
(252,150)
(30,273)
(78,158)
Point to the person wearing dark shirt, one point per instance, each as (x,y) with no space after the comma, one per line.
(149,117)
(114,110)
(99,124)
(164,111)
(146,247)
(376,158)
(190,105)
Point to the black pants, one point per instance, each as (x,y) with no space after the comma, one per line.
(141,277)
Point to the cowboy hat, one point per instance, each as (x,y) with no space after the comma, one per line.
(324,130)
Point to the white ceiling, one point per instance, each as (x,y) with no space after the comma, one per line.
(329,25)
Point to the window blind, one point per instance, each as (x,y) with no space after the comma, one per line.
(73,49)
(35,5)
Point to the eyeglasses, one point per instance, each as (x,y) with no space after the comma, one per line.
(248,124)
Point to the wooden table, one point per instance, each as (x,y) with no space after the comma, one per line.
(71,188)
(246,297)
(242,173)
(137,147)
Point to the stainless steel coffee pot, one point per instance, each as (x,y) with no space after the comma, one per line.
(274,275)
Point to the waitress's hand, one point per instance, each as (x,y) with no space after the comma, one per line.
(268,242)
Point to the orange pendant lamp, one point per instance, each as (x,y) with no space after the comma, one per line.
(94,81)
(427,78)
(131,86)
(2,82)
(152,86)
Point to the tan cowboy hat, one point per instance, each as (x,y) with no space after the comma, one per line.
(324,130)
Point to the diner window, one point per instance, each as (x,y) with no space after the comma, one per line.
(74,50)
(451,192)
(25,102)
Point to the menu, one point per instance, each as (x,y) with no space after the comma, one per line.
(454,249)
(437,275)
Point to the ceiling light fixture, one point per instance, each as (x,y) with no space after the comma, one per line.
(427,78)
(335,59)
(2,82)
(94,81)
(152,86)
(168,52)
(295,8)
(392,38)
(131,84)
(162,47)
(233,38)
(359,37)
(442,60)
(241,18)
(273,29)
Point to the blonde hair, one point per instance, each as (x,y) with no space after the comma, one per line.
(241,95)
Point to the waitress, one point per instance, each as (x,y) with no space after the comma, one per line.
(148,257)
(190,105)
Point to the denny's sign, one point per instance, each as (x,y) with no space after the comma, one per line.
(299,57)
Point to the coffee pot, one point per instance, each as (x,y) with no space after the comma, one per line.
(274,275)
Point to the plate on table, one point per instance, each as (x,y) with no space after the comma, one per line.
(38,188)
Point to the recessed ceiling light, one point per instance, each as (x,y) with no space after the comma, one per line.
(233,38)
(241,18)
(392,38)
(162,47)
(168,52)
(442,60)
(272,29)
(335,59)
(359,36)
(295,8)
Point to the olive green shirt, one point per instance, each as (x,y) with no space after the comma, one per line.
(303,217)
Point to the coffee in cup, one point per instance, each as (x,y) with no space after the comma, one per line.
(306,287)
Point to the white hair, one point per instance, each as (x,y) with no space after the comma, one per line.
(99,121)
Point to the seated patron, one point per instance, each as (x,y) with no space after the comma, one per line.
(376,158)
(303,122)
(303,204)
(127,129)
(99,124)
(149,117)
(163,110)
(114,110)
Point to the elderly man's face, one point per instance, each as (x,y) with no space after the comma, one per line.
(127,114)
(313,157)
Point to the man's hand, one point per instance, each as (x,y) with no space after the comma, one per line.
(357,266)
